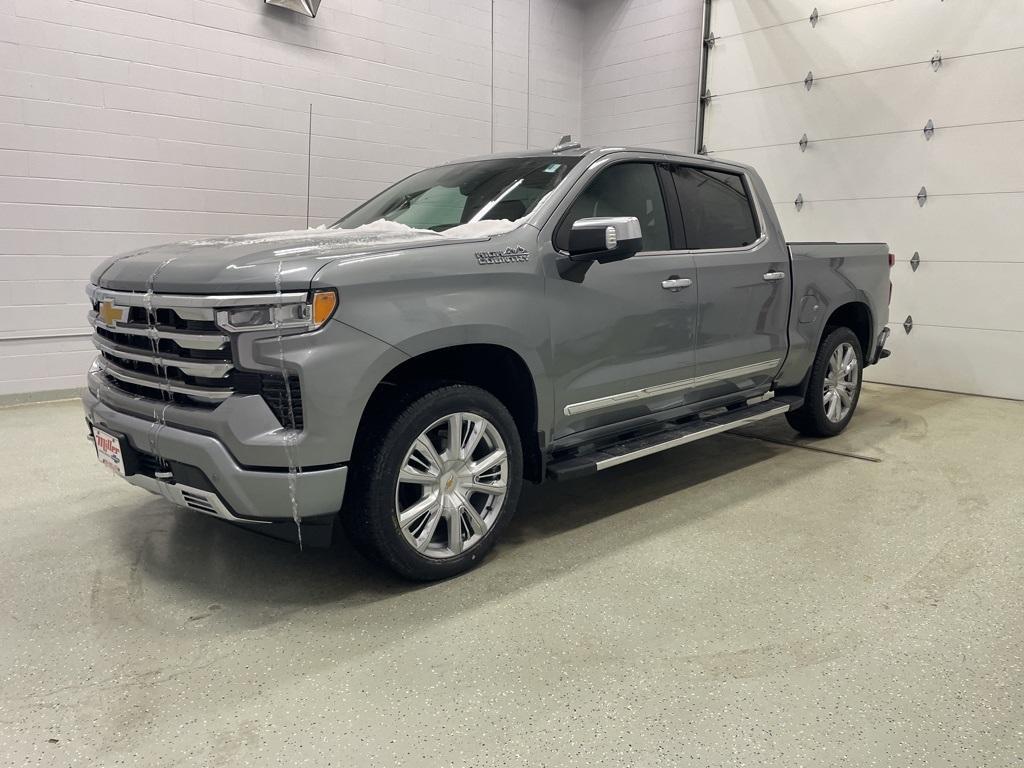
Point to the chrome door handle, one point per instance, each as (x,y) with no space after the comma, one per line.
(774,275)
(675,283)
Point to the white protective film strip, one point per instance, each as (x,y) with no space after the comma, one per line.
(291,433)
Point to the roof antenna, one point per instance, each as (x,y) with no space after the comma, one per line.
(565,143)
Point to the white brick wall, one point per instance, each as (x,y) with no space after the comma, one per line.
(641,60)
(538,55)
(131,122)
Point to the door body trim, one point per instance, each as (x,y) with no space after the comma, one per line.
(664,389)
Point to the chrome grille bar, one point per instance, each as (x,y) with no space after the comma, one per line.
(205,394)
(182,301)
(211,370)
(185,339)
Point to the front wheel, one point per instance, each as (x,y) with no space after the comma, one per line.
(834,387)
(438,483)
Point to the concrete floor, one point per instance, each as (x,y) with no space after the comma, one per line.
(733,602)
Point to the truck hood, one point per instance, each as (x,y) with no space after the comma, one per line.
(263,261)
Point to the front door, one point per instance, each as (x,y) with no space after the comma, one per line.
(622,337)
(744,283)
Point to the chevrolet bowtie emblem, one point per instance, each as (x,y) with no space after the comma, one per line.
(110,314)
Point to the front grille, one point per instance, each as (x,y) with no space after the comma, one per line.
(181,356)
(178,354)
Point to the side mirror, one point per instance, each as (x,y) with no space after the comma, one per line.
(605,239)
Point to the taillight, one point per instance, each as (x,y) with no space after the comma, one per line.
(892,263)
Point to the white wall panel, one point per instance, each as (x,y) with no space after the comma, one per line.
(741,16)
(125,123)
(960,228)
(965,160)
(863,39)
(835,107)
(968,295)
(641,65)
(966,360)
(867,157)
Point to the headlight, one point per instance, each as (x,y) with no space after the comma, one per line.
(305,315)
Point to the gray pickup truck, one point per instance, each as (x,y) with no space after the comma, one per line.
(541,315)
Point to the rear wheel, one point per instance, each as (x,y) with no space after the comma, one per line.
(834,387)
(437,484)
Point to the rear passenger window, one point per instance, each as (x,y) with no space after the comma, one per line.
(716,209)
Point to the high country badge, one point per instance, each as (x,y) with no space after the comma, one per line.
(508,256)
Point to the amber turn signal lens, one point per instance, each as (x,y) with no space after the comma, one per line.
(324,304)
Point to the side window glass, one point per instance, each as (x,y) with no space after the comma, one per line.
(625,189)
(716,210)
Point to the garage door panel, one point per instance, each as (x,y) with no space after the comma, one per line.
(784,54)
(965,160)
(961,294)
(874,102)
(873,91)
(970,228)
(979,362)
(741,16)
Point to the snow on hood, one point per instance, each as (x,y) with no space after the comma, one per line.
(378,232)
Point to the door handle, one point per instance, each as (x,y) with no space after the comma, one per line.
(769,276)
(675,283)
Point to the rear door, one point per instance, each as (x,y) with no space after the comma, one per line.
(743,282)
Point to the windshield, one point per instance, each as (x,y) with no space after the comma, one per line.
(461,193)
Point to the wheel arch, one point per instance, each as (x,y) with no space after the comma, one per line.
(493,367)
(855,315)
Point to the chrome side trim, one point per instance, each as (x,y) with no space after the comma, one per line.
(188,339)
(155,382)
(189,367)
(711,430)
(173,301)
(664,389)
(190,498)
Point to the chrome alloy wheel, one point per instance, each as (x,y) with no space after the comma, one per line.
(841,382)
(452,485)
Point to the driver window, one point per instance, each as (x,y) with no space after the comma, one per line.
(624,189)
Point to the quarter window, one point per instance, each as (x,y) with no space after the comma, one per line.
(716,208)
(624,189)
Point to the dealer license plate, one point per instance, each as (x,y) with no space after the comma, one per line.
(108,450)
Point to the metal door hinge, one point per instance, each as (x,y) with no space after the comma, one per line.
(936,61)
(908,324)
(709,41)
(809,80)
(915,261)
(814,18)
(799,202)
(803,142)
(929,129)
(706,98)
(922,197)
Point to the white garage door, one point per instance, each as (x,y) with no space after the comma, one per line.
(874,89)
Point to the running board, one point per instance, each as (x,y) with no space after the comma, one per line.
(671,436)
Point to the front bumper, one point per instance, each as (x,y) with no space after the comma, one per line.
(196,471)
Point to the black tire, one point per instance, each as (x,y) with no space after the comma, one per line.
(370,511)
(812,418)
